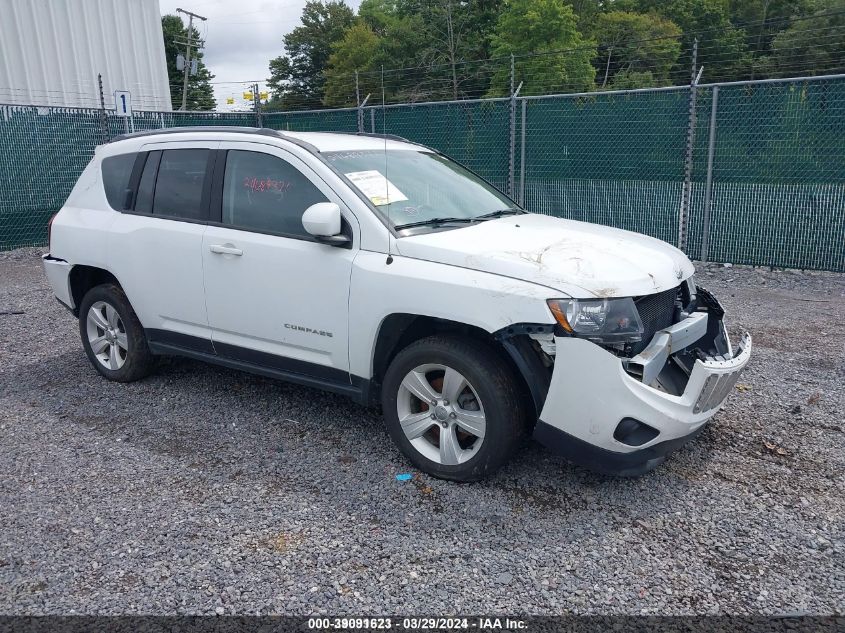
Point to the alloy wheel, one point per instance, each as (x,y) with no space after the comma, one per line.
(107,335)
(441,414)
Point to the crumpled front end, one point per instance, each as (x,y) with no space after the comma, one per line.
(621,411)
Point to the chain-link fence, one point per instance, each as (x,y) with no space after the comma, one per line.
(761,180)
(778,175)
(475,133)
(768,190)
(43,150)
(614,158)
(42,153)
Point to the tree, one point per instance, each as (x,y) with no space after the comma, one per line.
(587,10)
(296,78)
(721,46)
(456,37)
(551,54)
(813,45)
(403,38)
(400,29)
(635,47)
(378,14)
(762,20)
(357,51)
(447,27)
(429,49)
(200,92)
(387,35)
(439,45)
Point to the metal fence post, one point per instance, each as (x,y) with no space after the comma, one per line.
(104,122)
(512,145)
(708,187)
(358,105)
(522,156)
(686,193)
(373,120)
(512,130)
(360,114)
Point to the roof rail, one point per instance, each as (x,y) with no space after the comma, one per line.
(195,128)
(235,129)
(391,137)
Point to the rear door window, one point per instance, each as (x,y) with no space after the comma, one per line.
(116,173)
(147,184)
(180,183)
(172,184)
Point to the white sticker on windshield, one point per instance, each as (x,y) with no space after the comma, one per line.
(376,187)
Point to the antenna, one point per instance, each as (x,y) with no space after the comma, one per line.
(386,181)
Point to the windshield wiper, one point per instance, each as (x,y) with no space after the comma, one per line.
(478,218)
(500,213)
(433,222)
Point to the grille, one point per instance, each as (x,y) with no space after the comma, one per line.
(657,311)
(716,389)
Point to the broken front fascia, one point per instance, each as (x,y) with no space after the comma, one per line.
(673,386)
(591,394)
(698,331)
(647,366)
(667,366)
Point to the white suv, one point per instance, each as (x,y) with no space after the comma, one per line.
(380,269)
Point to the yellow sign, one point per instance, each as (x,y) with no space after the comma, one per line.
(248,96)
(230,100)
(264,95)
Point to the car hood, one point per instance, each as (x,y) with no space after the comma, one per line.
(576,258)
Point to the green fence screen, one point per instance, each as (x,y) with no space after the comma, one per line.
(776,163)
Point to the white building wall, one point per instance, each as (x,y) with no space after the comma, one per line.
(52,50)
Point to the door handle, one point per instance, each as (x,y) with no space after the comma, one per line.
(223,249)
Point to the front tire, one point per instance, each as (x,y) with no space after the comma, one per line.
(112,335)
(453,407)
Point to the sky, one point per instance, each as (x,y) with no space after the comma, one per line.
(241,37)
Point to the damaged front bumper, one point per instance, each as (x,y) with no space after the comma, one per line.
(618,415)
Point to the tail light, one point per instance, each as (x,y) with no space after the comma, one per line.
(50,232)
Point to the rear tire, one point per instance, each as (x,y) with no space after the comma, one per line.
(453,407)
(112,335)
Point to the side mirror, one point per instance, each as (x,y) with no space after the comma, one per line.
(322,220)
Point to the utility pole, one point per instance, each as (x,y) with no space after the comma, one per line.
(256,101)
(191,17)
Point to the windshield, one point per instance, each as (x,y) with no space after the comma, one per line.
(416,187)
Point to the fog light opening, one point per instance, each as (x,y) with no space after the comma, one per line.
(634,433)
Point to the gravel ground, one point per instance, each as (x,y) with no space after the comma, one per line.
(203,490)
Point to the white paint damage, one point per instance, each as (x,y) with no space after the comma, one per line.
(579,259)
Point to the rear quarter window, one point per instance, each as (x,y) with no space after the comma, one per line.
(116,173)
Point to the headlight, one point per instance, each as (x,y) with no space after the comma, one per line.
(602,320)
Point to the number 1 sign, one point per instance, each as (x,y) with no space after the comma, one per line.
(122,103)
